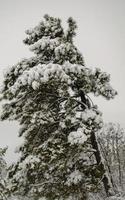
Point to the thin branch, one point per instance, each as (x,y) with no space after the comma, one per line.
(90,99)
(40,184)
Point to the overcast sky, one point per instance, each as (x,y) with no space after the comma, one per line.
(101,39)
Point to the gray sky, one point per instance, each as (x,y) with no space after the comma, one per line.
(101,39)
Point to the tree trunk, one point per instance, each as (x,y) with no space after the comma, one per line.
(106,180)
(118,159)
(107,162)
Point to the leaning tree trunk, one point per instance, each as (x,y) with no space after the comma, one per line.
(118,159)
(106,180)
(103,150)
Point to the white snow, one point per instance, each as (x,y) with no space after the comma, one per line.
(42,74)
(88,113)
(35,85)
(32,160)
(77,137)
(74,178)
(44,43)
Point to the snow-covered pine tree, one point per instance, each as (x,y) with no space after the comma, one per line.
(48,95)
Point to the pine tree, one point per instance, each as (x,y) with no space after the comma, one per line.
(48,95)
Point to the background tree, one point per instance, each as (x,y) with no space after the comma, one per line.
(112,142)
(3,172)
(111,139)
(48,95)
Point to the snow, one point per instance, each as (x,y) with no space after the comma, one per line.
(92,117)
(32,160)
(71,92)
(115,198)
(74,178)
(42,74)
(43,43)
(27,71)
(47,27)
(88,113)
(77,137)
(62,125)
(35,85)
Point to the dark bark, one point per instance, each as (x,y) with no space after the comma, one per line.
(84,100)
(118,158)
(105,180)
(107,162)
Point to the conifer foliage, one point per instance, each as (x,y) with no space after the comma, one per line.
(48,95)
